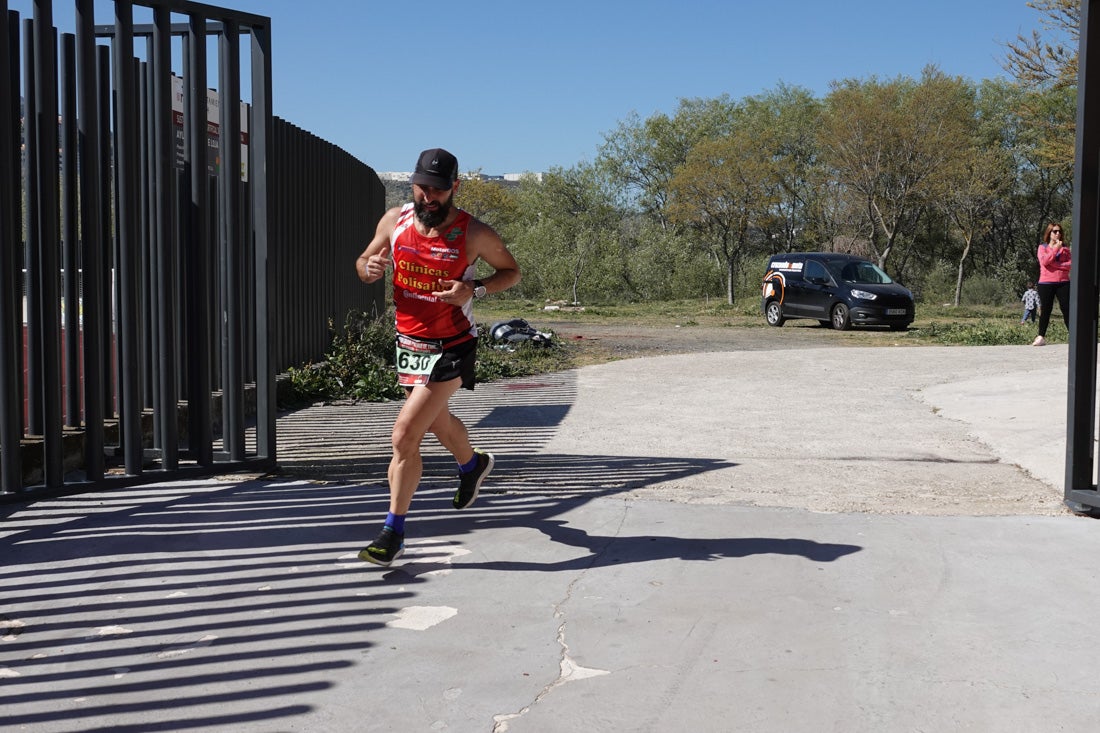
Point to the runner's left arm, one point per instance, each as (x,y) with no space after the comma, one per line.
(488,245)
(483,242)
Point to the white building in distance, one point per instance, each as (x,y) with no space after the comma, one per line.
(403,176)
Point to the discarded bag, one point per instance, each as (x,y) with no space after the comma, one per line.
(518,331)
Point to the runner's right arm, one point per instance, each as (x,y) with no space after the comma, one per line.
(372,264)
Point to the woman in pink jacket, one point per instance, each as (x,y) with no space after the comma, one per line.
(1055,259)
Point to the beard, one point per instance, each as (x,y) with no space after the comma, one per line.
(432,218)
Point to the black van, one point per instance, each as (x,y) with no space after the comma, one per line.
(836,289)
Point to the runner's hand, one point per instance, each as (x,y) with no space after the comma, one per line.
(377,264)
(455,292)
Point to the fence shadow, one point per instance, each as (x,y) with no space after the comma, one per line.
(223,603)
(162,603)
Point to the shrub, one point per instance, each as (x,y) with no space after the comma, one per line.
(360,362)
(358,365)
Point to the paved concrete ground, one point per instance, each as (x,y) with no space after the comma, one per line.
(811,540)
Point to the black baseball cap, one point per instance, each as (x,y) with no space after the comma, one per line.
(436,168)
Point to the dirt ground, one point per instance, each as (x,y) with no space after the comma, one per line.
(598,342)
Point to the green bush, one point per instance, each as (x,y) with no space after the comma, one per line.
(358,365)
(360,362)
(1002,286)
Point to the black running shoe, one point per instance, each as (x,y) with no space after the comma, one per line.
(470,483)
(383,551)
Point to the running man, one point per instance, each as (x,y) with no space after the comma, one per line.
(433,248)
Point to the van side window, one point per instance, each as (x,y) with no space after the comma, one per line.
(815,270)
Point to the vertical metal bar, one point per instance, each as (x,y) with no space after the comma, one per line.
(307,336)
(69,237)
(181,193)
(248,259)
(229,67)
(265,293)
(163,246)
(320,314)
(280,181)
(91,241)
(213,297)
(143,159)
(106,230)
(1080,485)
(31,265)
(321,224)
(183,224)
(129,256)
(308,313)
(11,319)
(49,241)
(198,296)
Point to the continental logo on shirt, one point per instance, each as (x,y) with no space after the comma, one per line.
(449,254)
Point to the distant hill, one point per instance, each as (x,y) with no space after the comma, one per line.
(397,192)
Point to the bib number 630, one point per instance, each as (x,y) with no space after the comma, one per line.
(414,366)
(414,363)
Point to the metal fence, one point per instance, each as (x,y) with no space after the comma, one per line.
(163,290)
(1081,492)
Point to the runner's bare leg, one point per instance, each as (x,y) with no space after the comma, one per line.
(452,435)
(423,407)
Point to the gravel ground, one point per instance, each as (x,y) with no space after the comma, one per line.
(599,342)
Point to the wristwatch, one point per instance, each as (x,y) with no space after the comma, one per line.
(479,289)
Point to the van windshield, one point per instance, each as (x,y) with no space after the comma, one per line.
(866,273)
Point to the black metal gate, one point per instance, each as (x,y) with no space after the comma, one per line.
(119,302)
(137,267)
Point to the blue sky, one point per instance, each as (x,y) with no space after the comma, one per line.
(522,86)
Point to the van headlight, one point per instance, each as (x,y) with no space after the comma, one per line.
(863,294)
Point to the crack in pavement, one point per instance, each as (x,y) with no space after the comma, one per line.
(568,669)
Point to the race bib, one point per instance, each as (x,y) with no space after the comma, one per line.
(415,361)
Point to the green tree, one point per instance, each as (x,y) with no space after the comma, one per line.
(972,188)
(569,227)
(1048,57)
(728,189)
(790,116)
(491,201)
(1038,189)
(643,155)
(887,142)
(1045,64)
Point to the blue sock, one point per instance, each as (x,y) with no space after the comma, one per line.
(396,522)
(469,465)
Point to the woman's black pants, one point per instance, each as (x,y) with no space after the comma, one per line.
(1047,293)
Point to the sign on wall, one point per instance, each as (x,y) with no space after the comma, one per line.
(213,124)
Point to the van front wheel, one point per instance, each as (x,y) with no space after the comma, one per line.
(842,319)
(774,313)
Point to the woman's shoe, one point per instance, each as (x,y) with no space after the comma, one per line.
(1039,341)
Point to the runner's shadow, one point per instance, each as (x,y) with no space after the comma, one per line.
(603,551)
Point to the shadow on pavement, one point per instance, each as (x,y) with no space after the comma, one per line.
(141,608)
(156,602)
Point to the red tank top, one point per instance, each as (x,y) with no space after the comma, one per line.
(419,264)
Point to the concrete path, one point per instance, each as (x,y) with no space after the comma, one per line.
(826,540)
